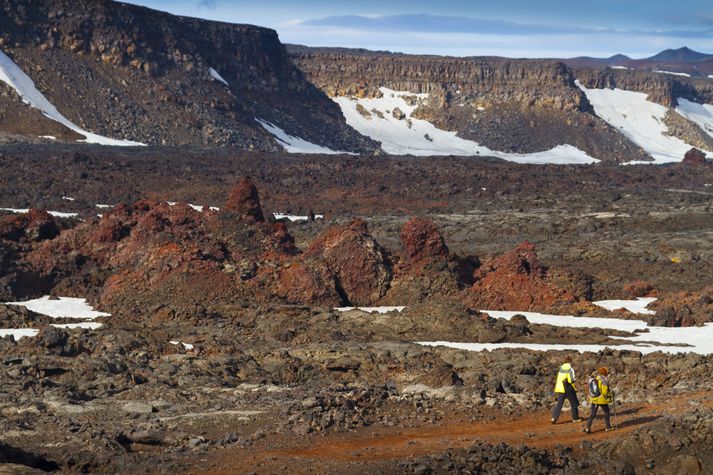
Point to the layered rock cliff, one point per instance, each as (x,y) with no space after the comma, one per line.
(662,88)
(126,71)
(508,105)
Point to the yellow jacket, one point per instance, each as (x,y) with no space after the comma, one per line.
(605,394)
(566,373)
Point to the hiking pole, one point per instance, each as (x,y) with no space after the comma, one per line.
(613,398)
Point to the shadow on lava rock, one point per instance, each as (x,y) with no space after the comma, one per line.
(15,455)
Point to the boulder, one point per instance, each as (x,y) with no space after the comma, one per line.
(422,241)
(694,158)
(359,264)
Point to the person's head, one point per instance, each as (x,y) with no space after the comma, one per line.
(603,371)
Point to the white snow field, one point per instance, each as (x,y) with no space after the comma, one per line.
(295,144)
(65,307)
(699,114)
(217,77)
(640,120)
(411,136)
(371,309)
(647,339)
(634,306)
(13,76)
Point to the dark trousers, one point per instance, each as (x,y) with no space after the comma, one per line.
(571,396)
(593,414)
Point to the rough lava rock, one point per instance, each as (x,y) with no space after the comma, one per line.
(244,201)
(517,280)
(694,158)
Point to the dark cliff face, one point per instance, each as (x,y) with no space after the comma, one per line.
(483,80)
(124,70)
(661,88)
(509,105)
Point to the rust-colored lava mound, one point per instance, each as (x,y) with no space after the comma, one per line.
(517,280)
(243,200)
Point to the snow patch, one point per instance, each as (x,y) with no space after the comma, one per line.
(56,214)
(641,120)
(672,73)
(699,114)
(103,206)
(48,137)
(187,346)
(16,210)
(217,77)
(83,325)
(634,306)
(61,214)
(620,67)
(13,76)
(293,217)
(295,144)
(198,208)
(370,309)
(411,136)
(64,307)
(18,333)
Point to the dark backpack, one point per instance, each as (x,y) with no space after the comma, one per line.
(593,386)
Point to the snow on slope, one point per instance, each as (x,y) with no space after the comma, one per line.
(411,136)
(640,120)
(699,114)
(216,76)
(13,76)
(295,144)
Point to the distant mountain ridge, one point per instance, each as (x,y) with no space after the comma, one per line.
(682,60)
(683,55)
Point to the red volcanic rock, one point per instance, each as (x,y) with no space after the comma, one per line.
(516,280)
(308,281)
(36,225)
(694,158)
(360,266)
(639,288)
(422,241)
(244,201)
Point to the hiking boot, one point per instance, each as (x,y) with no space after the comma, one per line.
(586,431)
(577,420)
(553,420)
(609,429)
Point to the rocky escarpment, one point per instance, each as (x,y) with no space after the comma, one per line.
(664,89)
(504,104)
(130,72)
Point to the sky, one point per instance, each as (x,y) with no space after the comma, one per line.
(513,28)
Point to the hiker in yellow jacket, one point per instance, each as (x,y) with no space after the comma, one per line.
(600,395)
(564,389)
